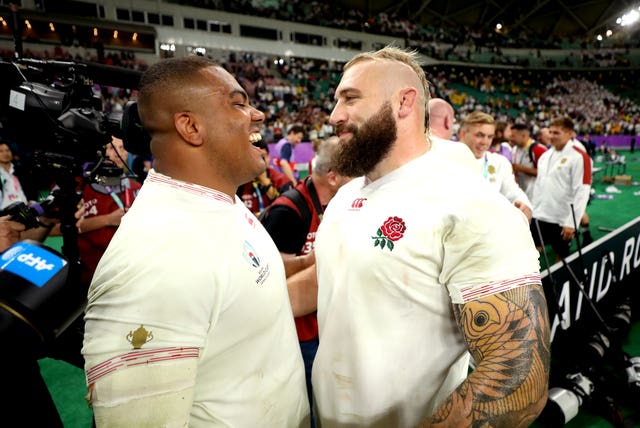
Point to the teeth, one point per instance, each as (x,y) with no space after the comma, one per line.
(255,137)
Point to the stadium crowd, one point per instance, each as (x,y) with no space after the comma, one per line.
(330,14)
(301,90)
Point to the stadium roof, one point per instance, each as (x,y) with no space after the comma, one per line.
(577,18)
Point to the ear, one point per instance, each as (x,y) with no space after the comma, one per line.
(408,99)
(332,178)
(188,128)
(448,123)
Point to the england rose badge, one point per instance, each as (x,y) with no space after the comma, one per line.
(391,231)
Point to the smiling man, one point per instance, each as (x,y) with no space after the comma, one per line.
(562,188)
(408,281)
(477,131)
(188,320)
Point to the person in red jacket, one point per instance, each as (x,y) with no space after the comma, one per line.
(104,207)
(260,192)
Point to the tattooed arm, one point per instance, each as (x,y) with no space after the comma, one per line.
(508,336)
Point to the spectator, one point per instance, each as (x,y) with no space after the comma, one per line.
(543,137)
(284,149)
(476,131)
(104,206)
(260,192)
(441,118)
(11,188)
(189,303)
(526,153)
(561,190)
(500,142)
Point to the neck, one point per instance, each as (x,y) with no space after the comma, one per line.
(400,154)
(323,190)
(195,176)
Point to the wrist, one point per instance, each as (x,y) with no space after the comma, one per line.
(45,222)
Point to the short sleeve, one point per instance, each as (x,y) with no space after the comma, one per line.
(488,251)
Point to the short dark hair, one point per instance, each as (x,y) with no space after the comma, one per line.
(295,129)
(563,122)
(520,127)
(166,77)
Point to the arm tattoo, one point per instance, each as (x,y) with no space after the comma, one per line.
(508,336)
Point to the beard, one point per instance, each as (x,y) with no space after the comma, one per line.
(370,143)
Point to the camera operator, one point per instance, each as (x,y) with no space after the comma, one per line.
(9,232)
(104,207)
(13,231)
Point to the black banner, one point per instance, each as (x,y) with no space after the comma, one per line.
(607,270)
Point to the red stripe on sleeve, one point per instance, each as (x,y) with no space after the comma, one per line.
(586,162)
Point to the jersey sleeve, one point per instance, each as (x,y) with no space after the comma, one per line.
(538,150)
(508,186)
(488,252)
(580,187)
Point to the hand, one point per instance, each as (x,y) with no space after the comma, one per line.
(263,179)
(524,208)
(9,232)
(79,214)
(114,217)
(568,233)
(517,167)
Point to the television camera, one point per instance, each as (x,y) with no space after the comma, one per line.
(50,110)
(591,370)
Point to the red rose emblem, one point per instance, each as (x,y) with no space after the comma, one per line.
(393,228)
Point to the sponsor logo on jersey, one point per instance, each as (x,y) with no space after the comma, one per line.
(357,203)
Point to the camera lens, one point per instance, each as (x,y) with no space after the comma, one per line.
(562,406)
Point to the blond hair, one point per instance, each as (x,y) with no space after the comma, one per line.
(477,118)
(396,54)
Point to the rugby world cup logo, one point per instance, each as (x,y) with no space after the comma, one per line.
(250,255)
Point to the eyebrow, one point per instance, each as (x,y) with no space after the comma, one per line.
(240,92)
(344,91)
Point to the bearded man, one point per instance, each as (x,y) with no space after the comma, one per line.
(407,280)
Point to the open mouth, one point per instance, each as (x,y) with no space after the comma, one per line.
(254,137)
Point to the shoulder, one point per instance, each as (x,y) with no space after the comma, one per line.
(498,160)
(452,151)
(546,154)
(577,147)
(538,148)
(282,209)
(278,178)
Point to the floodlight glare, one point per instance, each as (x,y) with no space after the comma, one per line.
(629,18)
